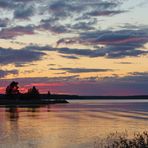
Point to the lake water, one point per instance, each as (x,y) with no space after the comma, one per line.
(78,124)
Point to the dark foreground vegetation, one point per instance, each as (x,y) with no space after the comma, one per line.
(117,140)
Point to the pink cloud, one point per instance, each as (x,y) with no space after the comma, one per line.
(122,41)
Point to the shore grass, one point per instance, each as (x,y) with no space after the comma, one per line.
(122,140)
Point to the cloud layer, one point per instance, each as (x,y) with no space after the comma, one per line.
(4,73)
(115,44)
(81,70)
(14,56)
(73,33)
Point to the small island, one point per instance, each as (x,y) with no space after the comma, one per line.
(13,96)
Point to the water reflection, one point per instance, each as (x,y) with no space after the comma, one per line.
(12,113)
(73,125)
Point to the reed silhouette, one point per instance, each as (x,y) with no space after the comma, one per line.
(122,140)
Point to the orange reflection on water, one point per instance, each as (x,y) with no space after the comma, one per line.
(70,125)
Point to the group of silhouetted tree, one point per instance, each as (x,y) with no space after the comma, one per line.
(13,89)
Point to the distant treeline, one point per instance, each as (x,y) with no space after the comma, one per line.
(76,97)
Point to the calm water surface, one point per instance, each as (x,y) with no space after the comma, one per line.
(74,125)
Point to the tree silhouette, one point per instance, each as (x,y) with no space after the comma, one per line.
(12,89)
(33,91)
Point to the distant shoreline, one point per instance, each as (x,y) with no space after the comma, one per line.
(77,97)
(145,97)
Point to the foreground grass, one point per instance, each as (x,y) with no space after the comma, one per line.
(118,140)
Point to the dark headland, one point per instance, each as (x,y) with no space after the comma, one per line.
(13,97)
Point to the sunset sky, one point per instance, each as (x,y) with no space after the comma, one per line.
(84,47)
